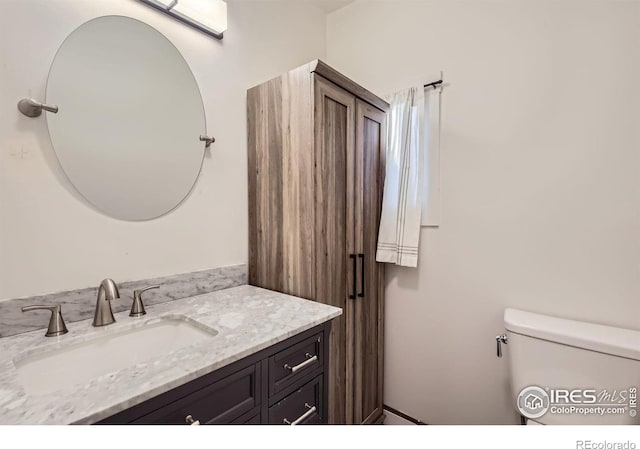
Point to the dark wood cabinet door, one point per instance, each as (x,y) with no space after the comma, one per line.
(334,115)
(369,304)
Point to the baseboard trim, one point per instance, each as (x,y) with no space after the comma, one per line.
(404,415)
(380,420)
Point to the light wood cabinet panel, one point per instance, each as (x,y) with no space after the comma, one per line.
(281,190)
(334,228)
(316,170)
(369,305)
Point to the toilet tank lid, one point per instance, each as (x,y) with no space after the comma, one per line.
(595,337)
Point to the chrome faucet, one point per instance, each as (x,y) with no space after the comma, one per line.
(107,292)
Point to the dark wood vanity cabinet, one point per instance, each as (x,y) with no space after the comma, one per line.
(316,147)
(284,384)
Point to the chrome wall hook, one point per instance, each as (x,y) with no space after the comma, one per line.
(208,140)
(33,108)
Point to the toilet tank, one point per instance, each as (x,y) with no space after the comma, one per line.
(581,373)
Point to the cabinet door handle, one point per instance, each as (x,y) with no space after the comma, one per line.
(306,414)
(361,294)
(299,366)
(354,268)
(192,422)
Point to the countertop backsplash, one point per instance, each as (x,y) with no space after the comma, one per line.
(80,304)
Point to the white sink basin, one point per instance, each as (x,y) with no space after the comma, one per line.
(77,364)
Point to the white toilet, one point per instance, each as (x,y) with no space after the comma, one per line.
(578,373)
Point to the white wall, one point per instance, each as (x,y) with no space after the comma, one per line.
(540,181)
(50,238)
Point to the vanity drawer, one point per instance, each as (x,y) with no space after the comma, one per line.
(291,364)
(302,406)
(217,403)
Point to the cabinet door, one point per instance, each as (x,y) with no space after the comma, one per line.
(334,115)
(369,304)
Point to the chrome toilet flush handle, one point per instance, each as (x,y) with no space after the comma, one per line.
(137,308)
(500,339)
(56,323)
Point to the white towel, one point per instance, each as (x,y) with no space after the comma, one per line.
(402,199)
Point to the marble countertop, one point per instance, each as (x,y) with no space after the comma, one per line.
(247,319)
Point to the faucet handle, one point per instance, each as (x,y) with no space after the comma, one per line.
(137,308)
(56,323)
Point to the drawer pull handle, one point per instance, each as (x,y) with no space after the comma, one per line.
(299,366)
(192,422)
(306,414)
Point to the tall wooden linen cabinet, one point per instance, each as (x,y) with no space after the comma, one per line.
(316,143)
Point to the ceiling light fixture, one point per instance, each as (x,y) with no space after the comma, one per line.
(209,16)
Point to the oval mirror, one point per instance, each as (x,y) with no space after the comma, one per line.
(129,120)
